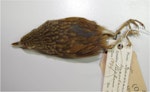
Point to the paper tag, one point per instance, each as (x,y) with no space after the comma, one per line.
(136,82)
(117,68)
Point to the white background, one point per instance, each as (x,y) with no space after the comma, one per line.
(29,70)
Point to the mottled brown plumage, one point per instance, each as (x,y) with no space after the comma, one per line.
(68,38)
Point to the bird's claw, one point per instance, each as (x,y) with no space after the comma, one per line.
(130,23)
(134,22)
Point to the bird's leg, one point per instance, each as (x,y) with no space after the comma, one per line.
(108,32)
(129,42)
(130,31)
(120,39)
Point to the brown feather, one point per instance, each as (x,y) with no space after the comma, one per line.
(69,37)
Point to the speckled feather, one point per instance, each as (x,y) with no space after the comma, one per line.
(69,38)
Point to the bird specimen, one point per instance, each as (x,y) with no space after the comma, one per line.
(73,37)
